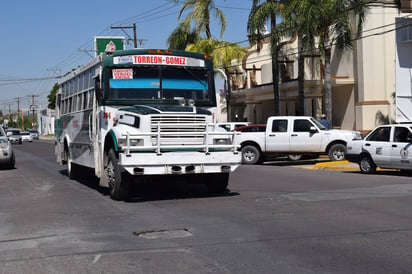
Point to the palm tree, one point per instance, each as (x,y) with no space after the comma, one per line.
(181,37)
(322,25)
(222,53)
(300,18)
(260,13)
(200,14)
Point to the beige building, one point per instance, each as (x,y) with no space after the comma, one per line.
(364,81)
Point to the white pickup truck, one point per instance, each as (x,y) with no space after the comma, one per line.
(294,136)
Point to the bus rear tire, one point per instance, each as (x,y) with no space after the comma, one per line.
(72,168)
(118,181)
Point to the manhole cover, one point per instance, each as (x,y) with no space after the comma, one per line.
(164,234)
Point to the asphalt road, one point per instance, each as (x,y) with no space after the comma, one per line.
(276,218)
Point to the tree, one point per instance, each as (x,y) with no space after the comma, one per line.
(223,53)
(260,13)
(200,15)
(181,37)
(52,97)
(200,12)
(321,25)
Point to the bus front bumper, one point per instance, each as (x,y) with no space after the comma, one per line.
(179,163)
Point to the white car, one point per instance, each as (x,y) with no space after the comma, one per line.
(26,136)
(387,146)
(7,158)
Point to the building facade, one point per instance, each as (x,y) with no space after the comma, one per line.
(364,81)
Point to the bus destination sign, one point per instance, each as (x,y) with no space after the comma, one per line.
(159,60)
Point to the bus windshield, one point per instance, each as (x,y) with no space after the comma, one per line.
(159,83)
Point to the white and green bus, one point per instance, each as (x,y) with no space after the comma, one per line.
(135,114)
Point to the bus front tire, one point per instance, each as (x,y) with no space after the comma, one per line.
(118,181)
(217,183)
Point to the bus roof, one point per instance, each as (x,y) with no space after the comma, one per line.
(107,58)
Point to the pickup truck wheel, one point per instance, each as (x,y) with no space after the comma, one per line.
(366,165)
(295,157)
(337,152)
(250,155)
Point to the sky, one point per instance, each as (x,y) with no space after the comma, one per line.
(45,38)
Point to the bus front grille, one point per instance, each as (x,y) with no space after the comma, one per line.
(179,130)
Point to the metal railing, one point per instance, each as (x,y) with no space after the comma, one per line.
(158,146)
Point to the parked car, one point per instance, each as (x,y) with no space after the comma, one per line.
(34,133)
(14,136)
(7,159)
(230,126)
(252,128)
(294,137)
(26,136)
(387,146)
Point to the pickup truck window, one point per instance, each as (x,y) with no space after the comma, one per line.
(402,135)
(279,125)
(302,125)
(381,134)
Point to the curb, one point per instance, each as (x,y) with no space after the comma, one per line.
(335,165)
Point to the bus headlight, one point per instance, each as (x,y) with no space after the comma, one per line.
(133,142)
(222,141)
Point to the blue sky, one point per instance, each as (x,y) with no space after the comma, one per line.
(43,37)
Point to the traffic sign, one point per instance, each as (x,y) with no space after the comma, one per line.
(108,44)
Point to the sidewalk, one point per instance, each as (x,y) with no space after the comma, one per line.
(46,137)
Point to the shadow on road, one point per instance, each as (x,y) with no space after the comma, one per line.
(155,188)
(286,162)
(387,172)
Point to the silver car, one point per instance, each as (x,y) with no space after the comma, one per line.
(14,136)
(26,136)
(7,159)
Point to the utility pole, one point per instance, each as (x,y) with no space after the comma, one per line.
(134,33)
(33,108)
(18,109)
(18,104)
